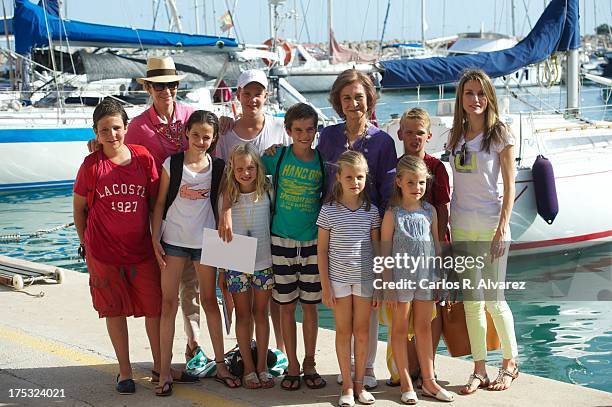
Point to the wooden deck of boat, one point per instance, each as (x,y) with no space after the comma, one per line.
(58,342)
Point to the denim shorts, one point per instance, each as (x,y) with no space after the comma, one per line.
(178,251)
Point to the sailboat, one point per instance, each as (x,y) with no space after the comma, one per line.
(309,74)
(579,149)
(43,146)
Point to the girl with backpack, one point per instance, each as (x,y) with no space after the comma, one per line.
(186,204)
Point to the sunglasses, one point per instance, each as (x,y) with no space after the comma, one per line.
(462,154)
(159,86)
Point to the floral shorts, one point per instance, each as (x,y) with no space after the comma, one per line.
(238,282)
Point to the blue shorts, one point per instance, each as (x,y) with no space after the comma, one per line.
(178,251)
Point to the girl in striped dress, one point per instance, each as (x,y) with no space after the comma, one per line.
(348,223)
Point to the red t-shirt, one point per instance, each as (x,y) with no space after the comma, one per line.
(439,193)
(117,230)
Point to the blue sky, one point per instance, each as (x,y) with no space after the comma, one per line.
(352,19)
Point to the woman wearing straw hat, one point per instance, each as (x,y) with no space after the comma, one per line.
(161,129)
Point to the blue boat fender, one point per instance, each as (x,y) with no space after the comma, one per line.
(545,189)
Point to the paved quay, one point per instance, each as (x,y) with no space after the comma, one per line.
(57,344)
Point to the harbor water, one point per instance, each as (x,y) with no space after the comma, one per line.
(567,341)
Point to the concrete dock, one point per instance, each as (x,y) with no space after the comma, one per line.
(58,342)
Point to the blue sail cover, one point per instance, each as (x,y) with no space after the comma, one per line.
(30,31)
(9,24)
(557,30)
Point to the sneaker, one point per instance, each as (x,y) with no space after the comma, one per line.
(126,386)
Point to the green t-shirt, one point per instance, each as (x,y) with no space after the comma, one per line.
(298,198)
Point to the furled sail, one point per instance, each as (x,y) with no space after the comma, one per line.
(557,30)
(30,29)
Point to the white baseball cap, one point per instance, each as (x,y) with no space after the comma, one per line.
(252,75)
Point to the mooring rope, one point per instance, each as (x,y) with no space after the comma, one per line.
(17,237)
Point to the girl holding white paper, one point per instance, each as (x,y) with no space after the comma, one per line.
(248,190)
(183,209)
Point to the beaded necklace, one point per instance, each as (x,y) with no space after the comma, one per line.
(363,136)
(173,132)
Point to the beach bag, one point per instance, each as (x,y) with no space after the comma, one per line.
(455,333)
(201,366)
(276,361)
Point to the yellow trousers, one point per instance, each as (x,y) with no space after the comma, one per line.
(476,243)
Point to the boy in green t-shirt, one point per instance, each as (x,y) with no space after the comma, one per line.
(298,175)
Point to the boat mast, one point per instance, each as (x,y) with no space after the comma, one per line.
(329,26)
(197,16)
(423,22)
(572,81)
(513,19)
(8,47)
(176,21)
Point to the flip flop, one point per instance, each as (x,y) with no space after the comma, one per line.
(228,381)
(312,377)
(186,378)
(166,390)
(291,379)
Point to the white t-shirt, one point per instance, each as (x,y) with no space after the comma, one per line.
(273,132)
(350,244)
(191,210)
(251,218)
(477,198)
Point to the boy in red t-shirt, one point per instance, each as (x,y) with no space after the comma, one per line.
(415,132)
(114,189)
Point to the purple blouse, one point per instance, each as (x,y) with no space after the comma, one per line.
(378,148)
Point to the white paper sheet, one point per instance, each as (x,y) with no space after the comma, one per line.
(238,255)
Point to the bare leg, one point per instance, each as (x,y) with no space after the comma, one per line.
(244,318)
(310,328)
(343,316)
(422,324)
(261,299)
(170,279)
(208,282)
(290,337)
(276,324)
(118,333)
(399,343)
(362,308)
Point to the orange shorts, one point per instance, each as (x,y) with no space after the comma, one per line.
(124,291)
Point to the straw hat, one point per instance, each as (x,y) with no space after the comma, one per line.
(160,70)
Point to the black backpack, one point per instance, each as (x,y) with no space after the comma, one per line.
(176,175)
